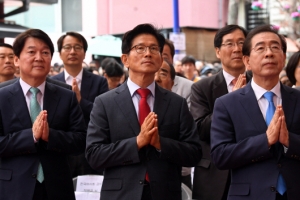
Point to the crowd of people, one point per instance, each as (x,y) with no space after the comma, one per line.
(145,123)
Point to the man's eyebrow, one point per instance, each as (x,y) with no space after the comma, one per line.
(164,70)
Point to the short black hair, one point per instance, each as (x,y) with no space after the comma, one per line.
(106,62)
(172,69)
(170,44)
(141,29)
(291,67)
(188,59)
(224,31)
(260,29)
(6,45)
(73,34)
(20,40)
(113,69)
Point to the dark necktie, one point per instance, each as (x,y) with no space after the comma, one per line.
(281,187)
(35,110)
(144,110)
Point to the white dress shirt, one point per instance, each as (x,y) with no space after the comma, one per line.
(228,78)
(69,78)
(136,98)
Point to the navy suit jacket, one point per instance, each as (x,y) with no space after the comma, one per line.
(111,144)
(20,156)
(91,86)
(239,142)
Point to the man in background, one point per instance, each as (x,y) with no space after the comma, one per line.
(113,73)
(72,48)
(182,86)
(7,67)
(209,182)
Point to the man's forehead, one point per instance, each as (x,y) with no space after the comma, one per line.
(234,35)
(5,49)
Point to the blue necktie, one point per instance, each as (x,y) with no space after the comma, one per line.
(281,187)
(35,110)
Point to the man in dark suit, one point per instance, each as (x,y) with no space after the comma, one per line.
(34,147)
(209,182)
(7,67)
(141,161)
(255,130)
(72,48)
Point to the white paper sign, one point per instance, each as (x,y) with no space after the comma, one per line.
(89,183)
(87,195)
(178,39)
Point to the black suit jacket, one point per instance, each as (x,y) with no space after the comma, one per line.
(111,144)
(20,156)
(209,182)
(239,143)
(91,86)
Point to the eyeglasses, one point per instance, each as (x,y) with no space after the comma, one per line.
(142,49)
(76,48)
(275,48)
(231,45)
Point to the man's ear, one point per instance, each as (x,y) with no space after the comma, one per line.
(217,50)
(246,61)
(16,61)
(124,59)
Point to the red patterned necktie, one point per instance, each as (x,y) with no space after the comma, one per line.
(234,81)
(144,110)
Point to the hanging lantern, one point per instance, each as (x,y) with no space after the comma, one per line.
(256,5)
(295,16)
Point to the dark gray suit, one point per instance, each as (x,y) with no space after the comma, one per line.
(111,144)
(209,182)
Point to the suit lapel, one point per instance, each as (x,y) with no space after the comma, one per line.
(51,101)
(161,103)
(19,105)
(124,101)
(289,103)
(220,86)
(61,77)
(86,84)
(249,103)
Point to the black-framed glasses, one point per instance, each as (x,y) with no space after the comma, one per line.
(275,48)
(231,45)
(76,48)
(142,49)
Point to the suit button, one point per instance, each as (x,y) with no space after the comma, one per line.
(33,175)
(141,182)
(273,189)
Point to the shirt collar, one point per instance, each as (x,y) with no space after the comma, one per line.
(259,91)
(133,87)
(25,87)
(228,77)
(78,77)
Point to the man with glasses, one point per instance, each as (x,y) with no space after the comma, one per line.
(209,182)
(255,130)
(72,48)
(139,133)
